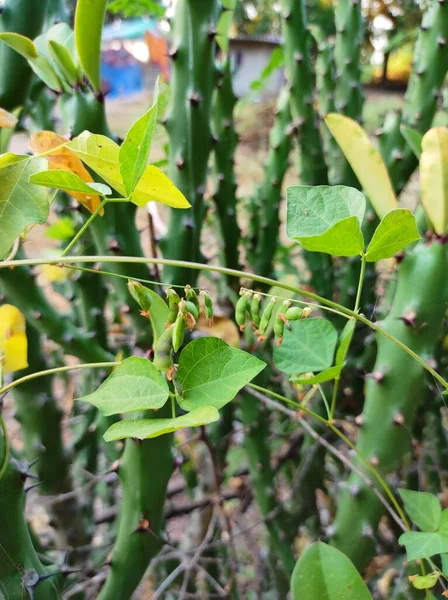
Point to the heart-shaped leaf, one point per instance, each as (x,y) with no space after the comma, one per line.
(211,372)
(420,544)
(396,230)
(21,203)
(142,429)
(325,573)
(423,508)
(135,385)
(308,346)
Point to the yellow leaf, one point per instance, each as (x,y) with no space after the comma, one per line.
(7,120)
(53,274)
(63,159)
(434,177)
(366,162)
(13,342)
(102,155)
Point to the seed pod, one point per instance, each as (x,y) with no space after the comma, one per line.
(241,308)
(163,359)
(191,295)
(266,317)
(208,306)
(279,328)
(178,331)
(142,295)
(173,303)
(178,387)
(294,313)
(307,311)
(191,308)
(255,310)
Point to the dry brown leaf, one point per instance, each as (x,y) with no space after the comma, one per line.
(63,159)
(223,328)
(7,120)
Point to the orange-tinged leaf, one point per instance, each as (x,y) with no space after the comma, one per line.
(7,120)
(13,342)
(62,158)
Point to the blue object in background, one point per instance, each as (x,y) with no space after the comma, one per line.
(121,80)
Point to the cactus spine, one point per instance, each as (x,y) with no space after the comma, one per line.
(422,95)
(25,17)
(391,400)
(189,126)
(297,46)
(144,474)
(226,142)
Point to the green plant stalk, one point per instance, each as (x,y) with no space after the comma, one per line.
(265,206)
(20,288)
(40,419)
(25,17)
(224,151)
(144,472)
(321,302)
(347,56)
(188,125)
(392,398)
(423,92)
(256,442)
(297,47)
(17,553)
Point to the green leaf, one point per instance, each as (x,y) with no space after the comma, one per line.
(134,153)
(102,155)
(326,218)
(344,341)
(159,315)
(63,62)
(396,230)
(211,372)
(21,203)
(425,582)
(222,30)
(327,375)
(89,19)
(21,44)
(134,385)
(325,573)
(45,71)
(143,429)
(366,162)
(62,230)
(413,139)
(443,526)
(343,239)
(308,346)
(69,182)
(423,545)
(444,558)
(423,509)
(434,177)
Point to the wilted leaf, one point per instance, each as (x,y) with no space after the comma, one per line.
(211,373)
(7,119)
(142,429)
(425,582)
(308,346)
(434,177)
(60,157)
(13,342)
(89,19)
(102,155)
(325,573)
(134,385)
(366,162)
(21,203)
(395,231)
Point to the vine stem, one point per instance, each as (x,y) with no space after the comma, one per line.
(84,228)
(380,479)
(16,382)
(233,273)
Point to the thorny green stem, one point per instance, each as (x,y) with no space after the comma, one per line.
(16,382)
(346,312)
(383,483)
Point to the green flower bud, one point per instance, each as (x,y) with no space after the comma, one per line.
(255,310)
(241,308)
(163,359)
(208,306)
(142,295)
(293,314)
(266,317)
